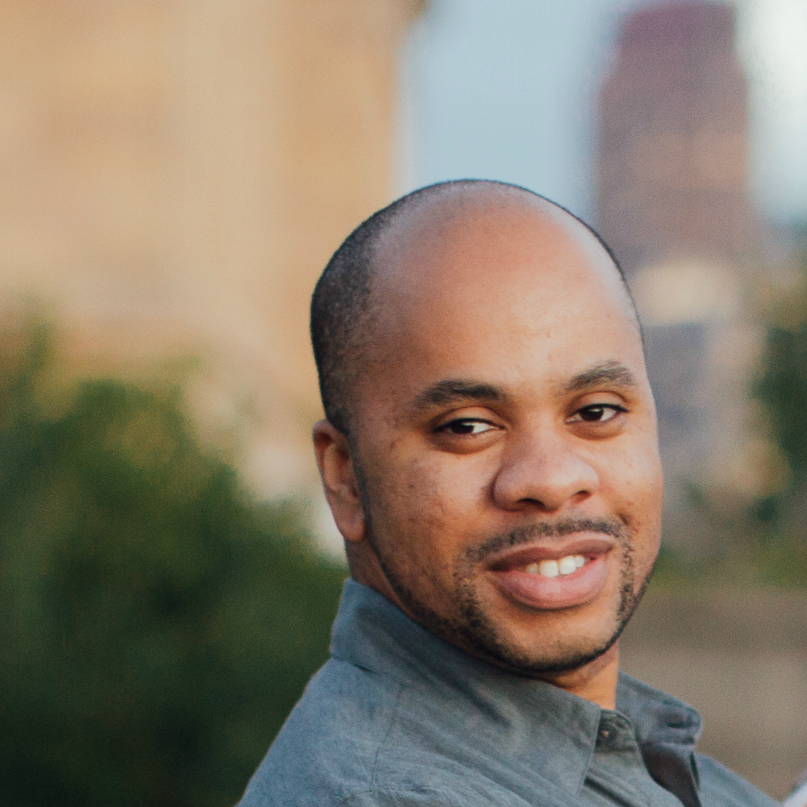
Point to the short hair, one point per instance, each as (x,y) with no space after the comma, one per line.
(342,308)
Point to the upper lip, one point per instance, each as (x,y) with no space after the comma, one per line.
(587,544)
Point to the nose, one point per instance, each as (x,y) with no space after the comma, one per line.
(543,471)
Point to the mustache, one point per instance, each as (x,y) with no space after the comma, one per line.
(548,529)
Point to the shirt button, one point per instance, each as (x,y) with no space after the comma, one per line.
(604,733)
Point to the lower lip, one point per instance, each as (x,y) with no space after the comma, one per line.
(553,593)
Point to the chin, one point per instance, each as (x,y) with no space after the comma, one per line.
(550,642)
(539,644)
(536,658)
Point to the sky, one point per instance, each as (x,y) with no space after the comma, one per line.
(506,89)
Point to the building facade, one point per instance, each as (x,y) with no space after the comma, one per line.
(177,173)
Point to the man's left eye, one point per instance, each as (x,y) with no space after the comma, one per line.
(596,413)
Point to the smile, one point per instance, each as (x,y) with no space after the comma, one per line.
(564,574)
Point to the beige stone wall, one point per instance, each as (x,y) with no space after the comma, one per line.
(176,174)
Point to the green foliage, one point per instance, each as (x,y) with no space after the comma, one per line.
(781,562)
(156,625)
(781,389)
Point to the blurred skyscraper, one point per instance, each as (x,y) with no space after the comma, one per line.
(673,202)
(673,168)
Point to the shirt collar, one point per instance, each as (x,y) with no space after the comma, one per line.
(545,729)
(656,716)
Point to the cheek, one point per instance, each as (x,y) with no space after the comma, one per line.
(646,514)
(433,504)
(633,481)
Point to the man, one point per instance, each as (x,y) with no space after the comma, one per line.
(490,457)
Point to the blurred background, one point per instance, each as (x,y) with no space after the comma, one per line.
(175,177)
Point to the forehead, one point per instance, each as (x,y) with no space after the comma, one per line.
(503,229)
(496,286)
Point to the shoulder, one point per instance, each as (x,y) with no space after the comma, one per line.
(351,742)
(418,790)
(415,797)
(326,750)
(719,787)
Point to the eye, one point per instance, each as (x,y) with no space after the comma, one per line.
(596,413)
(466,426)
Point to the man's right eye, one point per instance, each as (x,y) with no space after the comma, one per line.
(465,426)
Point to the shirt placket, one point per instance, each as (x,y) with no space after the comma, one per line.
(618,770)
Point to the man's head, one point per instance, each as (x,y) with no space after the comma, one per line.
(490,454)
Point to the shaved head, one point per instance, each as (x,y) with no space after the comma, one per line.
(348,301)
(489,411)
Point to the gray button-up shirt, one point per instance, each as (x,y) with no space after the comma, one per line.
(399,718)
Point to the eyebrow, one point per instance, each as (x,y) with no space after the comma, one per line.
(612,373)
(457,390)
(453,390)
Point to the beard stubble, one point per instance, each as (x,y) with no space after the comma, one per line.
(473,629)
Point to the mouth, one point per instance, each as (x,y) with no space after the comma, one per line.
(554,576)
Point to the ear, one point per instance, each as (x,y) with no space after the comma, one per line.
(339,480)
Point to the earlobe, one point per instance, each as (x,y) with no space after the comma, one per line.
(339,481)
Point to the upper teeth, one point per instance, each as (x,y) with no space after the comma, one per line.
(554,568)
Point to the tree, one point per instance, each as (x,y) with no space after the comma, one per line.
(156,623)
(781,388)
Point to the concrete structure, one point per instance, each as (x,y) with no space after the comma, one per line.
(673,202)
(175,175)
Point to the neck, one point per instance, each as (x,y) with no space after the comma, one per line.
(596,682)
